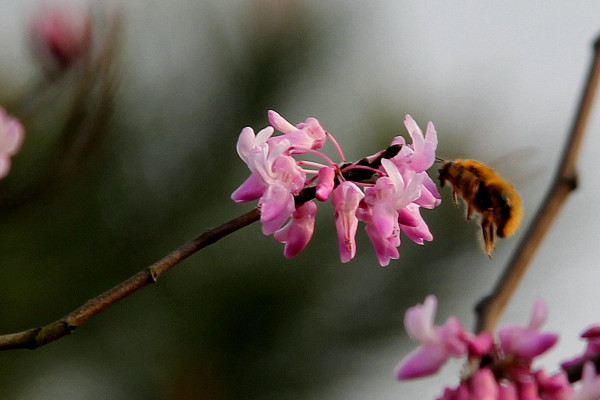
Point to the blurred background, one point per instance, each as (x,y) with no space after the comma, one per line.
(131,154)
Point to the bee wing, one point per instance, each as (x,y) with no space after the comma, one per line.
(518,166)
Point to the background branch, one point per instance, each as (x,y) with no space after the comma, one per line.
(490,308)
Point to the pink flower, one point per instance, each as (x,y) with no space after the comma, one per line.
(12,135)
(248,141)
(507,391)
(413,225)
(396,186)
(527,342)
(423,147)
(554,387)
(496,371)
(61,34)
(305,135)
(297,233)
(346,198)
(590,383)
(326,183)
(484,385)
(382,207)
(430,197)
(592,335)
(275,179)
(437,343)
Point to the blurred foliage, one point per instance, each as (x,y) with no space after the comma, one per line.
(237,320)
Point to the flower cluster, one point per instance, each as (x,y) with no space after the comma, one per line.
(499,370)
(12,134)
(385,190)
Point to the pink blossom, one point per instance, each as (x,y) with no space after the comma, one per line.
(590,383)
(248,141)
(382,207)
(430,197)
(497,370)
(326,183)
(507,391)
(61,34)
(386,248)
(346,198)
(527,342)
(305,135)
(12,135)
(412,224)
(437,343)
(275,179)
(423,147)
(297,233)
(276,206)
(395,184)
(554,387)
(481,344)
(592,335)
(484,385)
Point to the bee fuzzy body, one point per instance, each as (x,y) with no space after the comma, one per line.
(486,193)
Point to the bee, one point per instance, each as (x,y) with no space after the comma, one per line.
(486,193)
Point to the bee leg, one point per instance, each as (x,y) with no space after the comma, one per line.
(488,233)
(470,211)
(455,198)
(492,240)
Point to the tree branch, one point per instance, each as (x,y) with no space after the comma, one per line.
(34,338)
(490,308)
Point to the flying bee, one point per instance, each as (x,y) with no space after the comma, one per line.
(486,193)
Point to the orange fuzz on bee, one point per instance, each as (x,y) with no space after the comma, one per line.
(486,193)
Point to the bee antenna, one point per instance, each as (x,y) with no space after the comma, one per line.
(439,160)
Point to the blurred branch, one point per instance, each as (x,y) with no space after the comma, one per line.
(490,308)
(36,337)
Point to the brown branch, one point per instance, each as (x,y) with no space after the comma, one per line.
(490,308)
(34,338)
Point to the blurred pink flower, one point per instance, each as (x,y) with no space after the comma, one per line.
(484,385)
(527,342)
(496,370)
(437,343)
(12,135)
(590,383)
(61,34)
(592,335)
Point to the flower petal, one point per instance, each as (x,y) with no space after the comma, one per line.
(423,361)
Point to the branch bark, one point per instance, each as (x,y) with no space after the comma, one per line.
(490,308)
(36,337)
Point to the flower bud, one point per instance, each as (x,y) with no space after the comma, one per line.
(61,34)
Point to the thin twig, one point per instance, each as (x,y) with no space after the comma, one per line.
(490,308)
(34,338)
